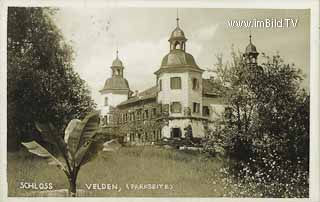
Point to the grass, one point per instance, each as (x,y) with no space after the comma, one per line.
(191,174)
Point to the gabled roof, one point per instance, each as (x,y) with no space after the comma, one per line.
(150,93)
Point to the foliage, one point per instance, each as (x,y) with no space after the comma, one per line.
(266,123)
(80,145)
(42,86)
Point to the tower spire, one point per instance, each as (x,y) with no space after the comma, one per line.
(177,17)
(117,53)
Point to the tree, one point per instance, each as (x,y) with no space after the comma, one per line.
(82,142)
(266,122)
(42,85)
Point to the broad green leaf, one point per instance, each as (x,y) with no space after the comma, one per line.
(88,151)
(72,126)
(82,132)
(82,151)
(51,135)
(39,150)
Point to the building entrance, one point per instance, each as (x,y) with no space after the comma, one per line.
(176,133)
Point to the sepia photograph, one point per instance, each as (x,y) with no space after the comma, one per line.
(158,101)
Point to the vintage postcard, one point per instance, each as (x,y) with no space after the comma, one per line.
(159,101)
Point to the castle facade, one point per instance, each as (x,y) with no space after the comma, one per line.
(182,103)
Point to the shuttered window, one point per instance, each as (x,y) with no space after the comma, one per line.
(175,83)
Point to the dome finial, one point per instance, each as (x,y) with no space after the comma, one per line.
(117,53)
(250,37)
(177,17)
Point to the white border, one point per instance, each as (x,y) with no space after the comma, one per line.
(274,4)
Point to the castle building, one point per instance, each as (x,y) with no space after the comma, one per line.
(182,103)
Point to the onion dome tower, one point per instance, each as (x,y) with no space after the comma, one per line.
(117,84)
(251,53)
(179,81)
(178,57)
(116,89)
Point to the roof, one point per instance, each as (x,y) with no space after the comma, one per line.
(116,83)
(150,93)
(177,33)
(251,48)
(178,58)
(117,63)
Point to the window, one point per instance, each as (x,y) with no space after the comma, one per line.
(175,83)
(106,101)
(125,117)
(132,117)
(139,114)
(160,85)
(106,120)
(175,107)
(176,133)
(205,111)
(154,112)
(196,107)
(146,114)
(195,84)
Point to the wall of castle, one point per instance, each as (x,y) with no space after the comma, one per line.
(198,129)
(186,95)
(216,106)
(113,100)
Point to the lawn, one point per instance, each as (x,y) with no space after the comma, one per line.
(189,173)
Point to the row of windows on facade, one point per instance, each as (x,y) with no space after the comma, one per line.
(133,116)
(176,107)
(175,83)
(140,114)
(146,137)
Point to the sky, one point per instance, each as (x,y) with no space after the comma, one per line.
(141,36)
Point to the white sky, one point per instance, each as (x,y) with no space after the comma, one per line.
(141,35)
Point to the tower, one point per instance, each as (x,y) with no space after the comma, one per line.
(116,89)
(251,53)
(179,81)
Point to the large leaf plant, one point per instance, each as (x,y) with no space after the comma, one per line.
(81,143)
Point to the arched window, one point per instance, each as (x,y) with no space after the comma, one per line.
(177,45)
(118,72)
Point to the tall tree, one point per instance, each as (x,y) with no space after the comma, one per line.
(266,123)
(42,85)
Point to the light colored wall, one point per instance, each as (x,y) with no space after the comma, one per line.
(215,106)
(195,95)
(197,127)
(186,96)
(113,100)
(167,95)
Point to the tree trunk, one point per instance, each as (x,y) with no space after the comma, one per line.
(72,187)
